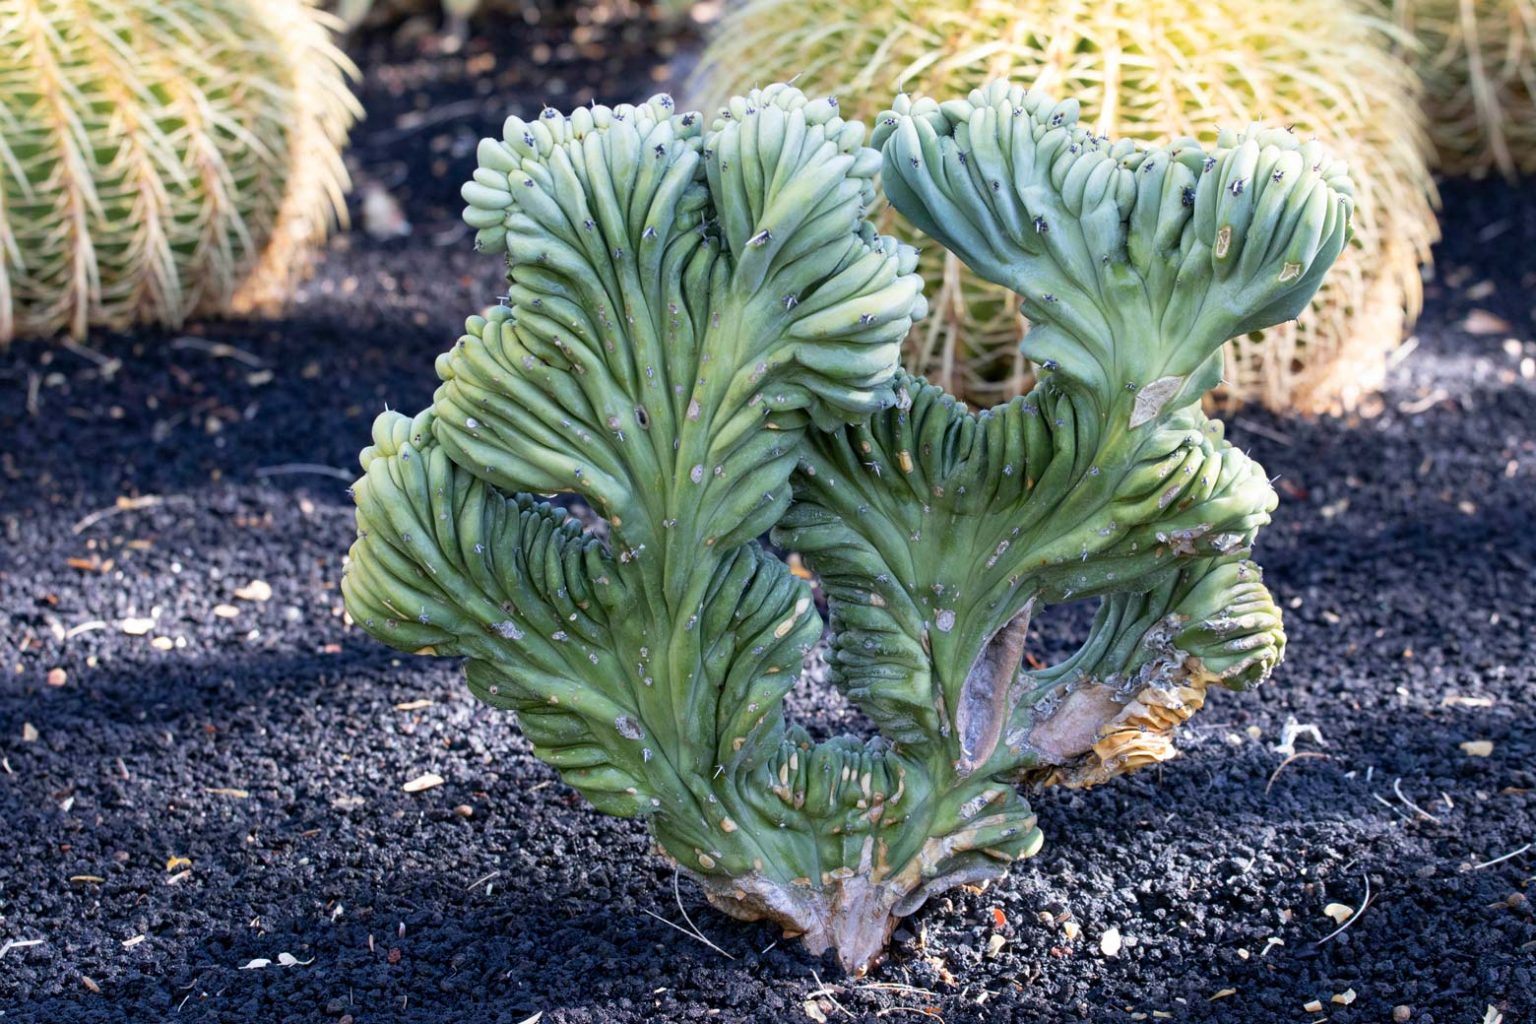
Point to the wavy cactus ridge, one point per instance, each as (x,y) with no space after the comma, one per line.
(700,340)
(1154,70)
(159,160)
(1099,237)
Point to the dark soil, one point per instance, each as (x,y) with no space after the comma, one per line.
(221,789)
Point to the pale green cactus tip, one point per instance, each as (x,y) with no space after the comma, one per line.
(1135,263)
(700,339)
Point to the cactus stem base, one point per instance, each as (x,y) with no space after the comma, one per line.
(852,916)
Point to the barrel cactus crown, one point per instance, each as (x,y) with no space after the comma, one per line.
(700,340)
(1152,70)
(1478,62)
(160,158)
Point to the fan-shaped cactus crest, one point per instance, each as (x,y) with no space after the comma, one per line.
(700,341)
(1150,70)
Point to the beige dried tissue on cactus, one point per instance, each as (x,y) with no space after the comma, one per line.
(163,158)
(1153,70)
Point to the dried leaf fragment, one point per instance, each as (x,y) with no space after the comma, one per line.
(1481,321)
(813,1011)
(1344,998)
(256,590)
(425,781)
(283,960)
(1224,993)
(1339,912)
(995,944)
(28,732)
(1315,1006)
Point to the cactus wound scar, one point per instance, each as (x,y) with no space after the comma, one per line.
(700,339)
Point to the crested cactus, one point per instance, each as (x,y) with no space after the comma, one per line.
(1151,70)
(700,341)
(160,158)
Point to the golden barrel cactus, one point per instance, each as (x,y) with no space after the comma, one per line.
(160,158)
(1153,70)
(457,13)
(1478,62)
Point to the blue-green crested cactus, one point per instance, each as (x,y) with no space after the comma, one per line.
(700,341)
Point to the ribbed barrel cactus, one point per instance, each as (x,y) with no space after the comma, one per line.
(700,342)
(457,13)
(1152,70)
(160,158)
(1478,62)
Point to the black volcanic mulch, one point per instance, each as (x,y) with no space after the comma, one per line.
(221,782)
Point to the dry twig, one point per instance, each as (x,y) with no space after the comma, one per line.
(1500,860)
(1288,760)
(692,931)
(1353,917)
(314,469)
(123,505)
(1397,787)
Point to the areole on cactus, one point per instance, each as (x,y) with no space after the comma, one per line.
(701,341)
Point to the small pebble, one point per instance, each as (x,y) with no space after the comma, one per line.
(1401,1013)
